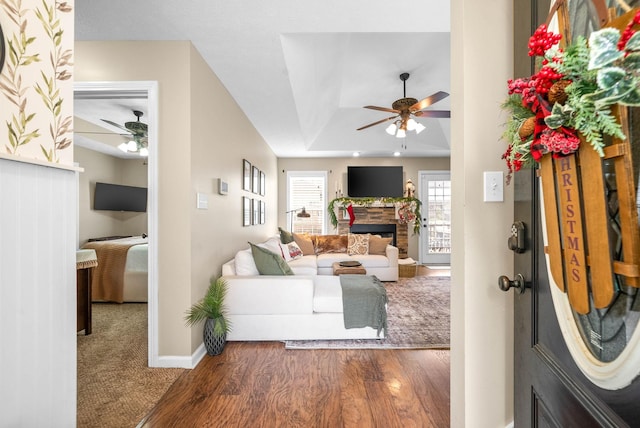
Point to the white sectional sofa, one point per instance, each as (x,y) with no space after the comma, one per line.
(290,307)
(304,306)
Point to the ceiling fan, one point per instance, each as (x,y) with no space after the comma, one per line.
(405,108)
(138,132)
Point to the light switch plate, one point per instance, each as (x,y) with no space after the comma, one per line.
(493,186)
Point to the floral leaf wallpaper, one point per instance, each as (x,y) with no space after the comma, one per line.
(36,85)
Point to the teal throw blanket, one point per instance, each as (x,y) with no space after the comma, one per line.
(364,301)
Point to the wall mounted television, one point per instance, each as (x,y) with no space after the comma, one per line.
(375,181)
(116,197)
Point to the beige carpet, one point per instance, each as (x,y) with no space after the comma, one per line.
(115,386)
(418,315)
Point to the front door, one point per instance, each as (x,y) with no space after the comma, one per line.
(559,381)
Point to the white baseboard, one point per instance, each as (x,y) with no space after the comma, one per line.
(183,362)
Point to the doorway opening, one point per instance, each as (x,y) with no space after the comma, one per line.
(148,90)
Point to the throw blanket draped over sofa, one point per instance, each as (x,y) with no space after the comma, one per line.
(364,302)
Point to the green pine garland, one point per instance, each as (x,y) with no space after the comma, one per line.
(367,202)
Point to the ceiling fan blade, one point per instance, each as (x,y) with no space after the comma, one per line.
(433,113)
(390,110)
(420,105)
(128,134)
(376,123)
(116,125)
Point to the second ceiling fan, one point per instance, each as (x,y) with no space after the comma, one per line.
(405,108)
(139,134)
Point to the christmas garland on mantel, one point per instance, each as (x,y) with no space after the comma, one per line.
(409,209)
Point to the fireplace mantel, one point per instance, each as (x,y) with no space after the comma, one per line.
(411,205)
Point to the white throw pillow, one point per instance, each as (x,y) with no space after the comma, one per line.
(273,245)
(245,264)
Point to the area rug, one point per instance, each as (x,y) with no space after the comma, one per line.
(115,386)
(417,318)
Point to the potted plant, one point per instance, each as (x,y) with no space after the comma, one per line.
(210,309)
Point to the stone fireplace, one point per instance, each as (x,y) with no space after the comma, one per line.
(378,220)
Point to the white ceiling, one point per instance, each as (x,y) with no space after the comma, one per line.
(301,71)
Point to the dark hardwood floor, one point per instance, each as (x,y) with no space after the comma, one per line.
(262,384)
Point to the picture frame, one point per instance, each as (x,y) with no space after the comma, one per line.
(263,183)
(246,211)
(255,174)
(255,205)
(262,211)
(246,175)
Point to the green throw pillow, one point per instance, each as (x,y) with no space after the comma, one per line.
(285,237)
(268,262)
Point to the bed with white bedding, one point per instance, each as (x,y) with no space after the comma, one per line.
(122,271)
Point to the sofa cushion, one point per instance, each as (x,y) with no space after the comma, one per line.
(378,245)
(244,263)
(327,294)
(305,265)
(285,236)
(268,262)
(305,243)
(331,244)
(358,243)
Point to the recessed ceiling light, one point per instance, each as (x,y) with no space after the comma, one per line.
(356,154)
(396,153)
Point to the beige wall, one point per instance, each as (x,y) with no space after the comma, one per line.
(99,167)
(221,138)
(482,315)
(336,169)
(202,136)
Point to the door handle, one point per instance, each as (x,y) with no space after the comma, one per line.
(519,283)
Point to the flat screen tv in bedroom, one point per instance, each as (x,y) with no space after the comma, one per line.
(116,197)
(375,181)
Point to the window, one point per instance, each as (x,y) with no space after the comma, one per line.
(307,189)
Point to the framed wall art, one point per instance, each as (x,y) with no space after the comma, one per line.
(255,205)
(256,179)
(262,210)
(246,211)
(246,175)
(263,183)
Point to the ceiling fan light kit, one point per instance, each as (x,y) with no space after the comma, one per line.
(134,147)
(406,107)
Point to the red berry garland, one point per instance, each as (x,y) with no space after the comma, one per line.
(628,32)
(542,40)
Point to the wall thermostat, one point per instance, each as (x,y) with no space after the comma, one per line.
(223,186)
